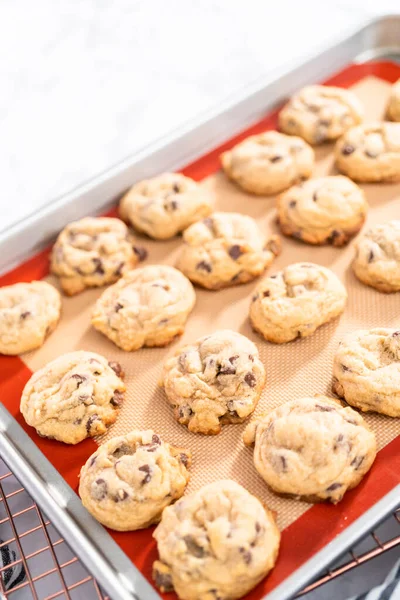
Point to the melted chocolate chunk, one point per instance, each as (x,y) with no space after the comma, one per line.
(116,367)
(347,149)
(163,581)
(118,307)
(90,422)
(233,358)
(266,293)
(204,266)
(99,269)
(146,469)
(235,251)
(140,252)
(254,298)
(283,463)
(25,314)
(99,490)
(84,398)
(124,450)
(118,270)
(227,370)
(193,547)
(258,527)
(276,158)
(122,495)
(251,357)
(184,412)
(156,439)
(117,399)
(176,188)
(250,379)
(79,379)
(92,461)
(292,203)
(184,459)
(333,236)
(246,555)
(344,368)
(315,197)
(333,487)
(371,256)
(324,408)
(357,462)
(296,234)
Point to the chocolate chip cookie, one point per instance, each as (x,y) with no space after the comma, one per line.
(146,307)
(93,252)
(312,449)
(370,152)
(219,542)
(268,163)
(320,113)
(214,381)
(164,206)
(377,258)
(367,370)
(393,107)
(327,210)
(29,312)
(129,480)
(296,301)
(73,397)
(226,249)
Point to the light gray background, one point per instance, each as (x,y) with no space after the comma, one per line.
(84,83)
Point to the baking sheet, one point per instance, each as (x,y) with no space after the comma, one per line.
(300,368)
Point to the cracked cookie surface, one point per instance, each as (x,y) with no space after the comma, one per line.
(73,397)
(93,252)
(29,312)
(226,249)
(214,381)
(320,113)
(268,163)
(367,370)
(313,448)
(296,301)
(130,479)
(219,542)
(327,210)
(393,107)
(377,258)
(370,152)
(164,206)
(147,307)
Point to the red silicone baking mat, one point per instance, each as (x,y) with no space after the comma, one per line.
(318,524)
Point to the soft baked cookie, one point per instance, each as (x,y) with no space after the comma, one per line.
(75,396)
(214,381)
(268,163)
(29,312)
(367,370)
(296,301)
(165,205)
(129,480)
(313,448)
(226,249)
(146,307)
(320,113)
(217,543)
(393,107)
(327,210)
(370,152)
(93,252)
(377,259)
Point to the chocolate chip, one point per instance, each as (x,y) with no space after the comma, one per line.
(254,298)
(172,205)
(118,270)
(251,357)
(357,462)
(116,367)
(98,266)
(237,276)
(292,203)
(163,321)
(335,234)
(246,555)
(250,379)
(99,490)
(347,149)
(146,469)
(371,154)
(296,234)
(124,450)
(193,547)
(184,459)
(215,594)
(371,256)
(344,368)
(184,412)
(324,408)
(283,463)
(204,266)
(333,487)
(118,307)
(90,422)
(227,370)
(235,251)
(315,198)
(92,461)
(25,314)
(117,399)
(266,293)
(79,379)
(176,188)
(163,581)
(156,439)
(77,421)
(84,397)
(233,358)
(182,362)
(140,252)
(275,159)
(122,495)
(351,421)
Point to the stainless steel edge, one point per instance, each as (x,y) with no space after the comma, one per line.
(193,139)
(89,540)
(350,536)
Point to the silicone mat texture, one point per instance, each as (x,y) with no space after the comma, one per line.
(300,368)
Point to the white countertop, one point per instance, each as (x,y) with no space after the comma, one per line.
(85,83)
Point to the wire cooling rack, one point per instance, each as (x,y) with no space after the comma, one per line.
(37,564)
